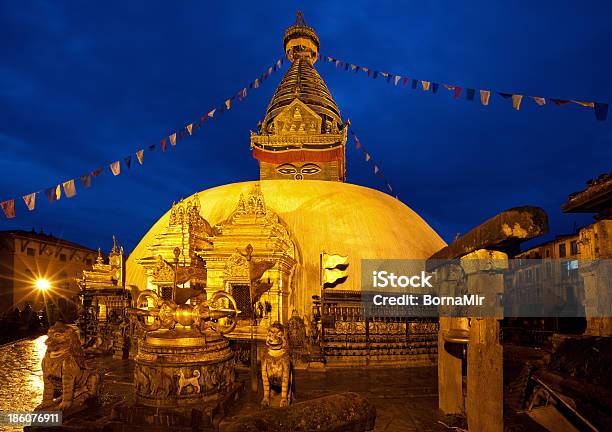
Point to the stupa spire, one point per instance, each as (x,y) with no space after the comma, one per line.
(302,135)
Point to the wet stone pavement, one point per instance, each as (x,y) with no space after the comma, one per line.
(405,399)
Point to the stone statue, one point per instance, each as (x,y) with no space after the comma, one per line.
(64,371)
(276,367)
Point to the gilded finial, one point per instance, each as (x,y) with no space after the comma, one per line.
(301,41)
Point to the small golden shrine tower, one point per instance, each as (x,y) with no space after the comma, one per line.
(302,136)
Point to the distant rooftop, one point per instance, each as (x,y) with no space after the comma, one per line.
(595,198)
(41,236)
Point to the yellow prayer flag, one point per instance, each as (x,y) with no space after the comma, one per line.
(69,188)
(484,97)
(425,85)
(189,128)
(140,156)
(115,168)
(516,101)
(173,139)
(585,104)
(333,261)
(333,275)
(256,85)
(228,103)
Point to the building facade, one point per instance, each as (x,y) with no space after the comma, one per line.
(41,270)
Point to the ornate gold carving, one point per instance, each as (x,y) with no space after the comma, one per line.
(297,118)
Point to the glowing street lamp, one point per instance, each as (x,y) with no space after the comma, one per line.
(42,284)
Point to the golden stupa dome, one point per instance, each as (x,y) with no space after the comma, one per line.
(319,216)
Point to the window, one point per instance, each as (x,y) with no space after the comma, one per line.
(30,252)
(573,247)
(62,257)
(537,274)
(547,253)
(562,251)
(548,270)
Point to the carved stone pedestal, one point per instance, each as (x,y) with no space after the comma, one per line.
(182,379)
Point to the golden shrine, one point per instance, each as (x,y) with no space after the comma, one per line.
(262,241)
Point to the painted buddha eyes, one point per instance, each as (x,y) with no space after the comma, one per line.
(298,172)
(287,169)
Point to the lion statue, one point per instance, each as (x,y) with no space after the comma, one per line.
(67,381)
(276,368)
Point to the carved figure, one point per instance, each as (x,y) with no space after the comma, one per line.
(64,371)
(276,367)
(141,381)
(184,382)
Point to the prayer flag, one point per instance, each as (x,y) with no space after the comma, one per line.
(30,200)
(539,100)
(85,181)
(368,157)
(211,113)
(375,75)
(69,188)
(470,94)
(279,63)
(346,66)
(162,143)
(601,111)
(173,139)
(376,169)
(181,134)
(53,193)
(484,97)
(405,81)
(140,156)
(189,128)
(8,207)
(115,167)
(256,85)
(389,187)
(457,92)
(357,143)
(413,84)
(434,87)
(585,104)
(388,79)
(128,161)
(97,172)
(269,72)
(449,87)
(338,62)
(516,101)
(397,79)
(228,104)
(152,147)
(425,85)
(559,101)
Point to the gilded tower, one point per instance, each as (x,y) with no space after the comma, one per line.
(302,135)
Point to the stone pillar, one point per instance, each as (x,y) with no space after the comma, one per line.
(450,379)
(485,386)
(596,276)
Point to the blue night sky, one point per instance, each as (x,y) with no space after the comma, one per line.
(83,84)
